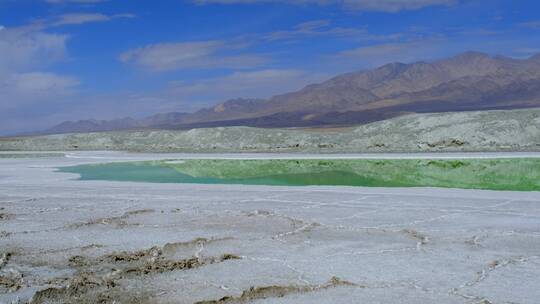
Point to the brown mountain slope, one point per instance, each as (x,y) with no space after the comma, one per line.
(469,81)
(473,77)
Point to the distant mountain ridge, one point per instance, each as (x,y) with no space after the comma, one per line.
(127,123)
(466,82)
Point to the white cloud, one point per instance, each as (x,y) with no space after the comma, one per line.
(39,83)
(242,81)
(379,50)
(185,55)
(535,25)
(28,47)
(18,90)
(315,28)
(255,84)
(26,90)
(81,18)
(23,88)
(379,54)
(365,5)
(27,99)
(393,5)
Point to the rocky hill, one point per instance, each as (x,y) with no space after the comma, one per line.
(510,130)
(128,123)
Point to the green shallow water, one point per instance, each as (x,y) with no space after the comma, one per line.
(493,174)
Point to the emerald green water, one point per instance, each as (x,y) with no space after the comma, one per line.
(493,174)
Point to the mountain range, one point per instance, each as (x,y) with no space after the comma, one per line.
(467,82)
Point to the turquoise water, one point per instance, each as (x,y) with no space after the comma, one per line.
(492,174)
(156,173)
(135,172)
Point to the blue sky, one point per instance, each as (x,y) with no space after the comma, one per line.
(78,59)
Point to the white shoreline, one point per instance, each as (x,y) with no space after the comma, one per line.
(121,155)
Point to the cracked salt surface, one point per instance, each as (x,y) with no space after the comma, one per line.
(75,241)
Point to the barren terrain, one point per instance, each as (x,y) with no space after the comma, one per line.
(69,241)
(516,130)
